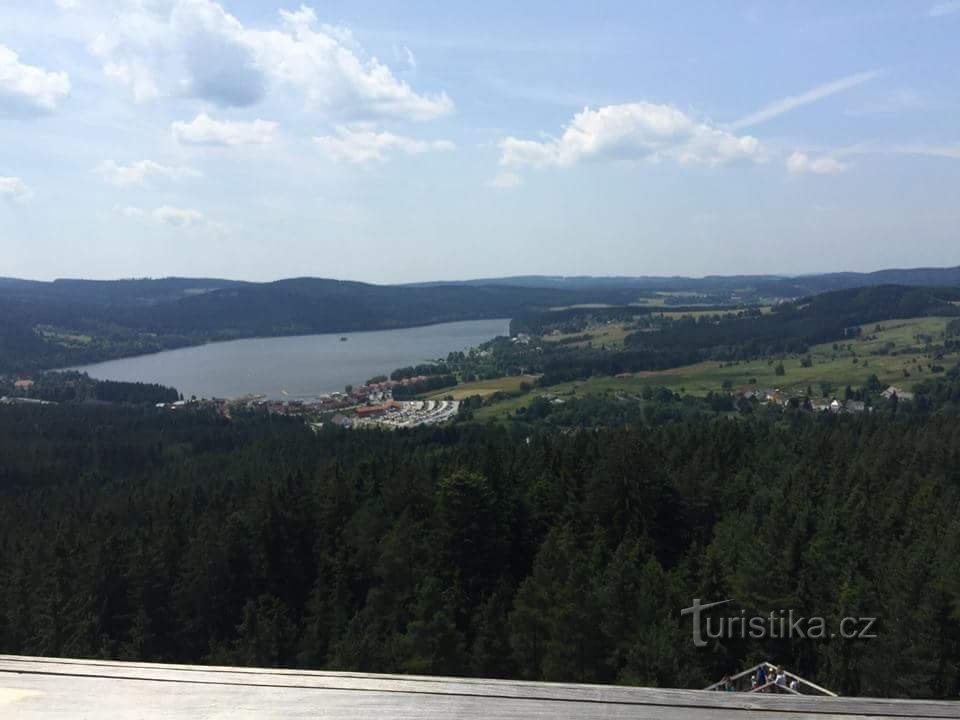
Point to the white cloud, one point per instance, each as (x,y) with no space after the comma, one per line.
(892,102)
(633,131)
(920,149)
(15,189)
(199,49)
(800,162)
(794,101)
(138,173)
(410,58)
(204,130)
(220,65)
(504,180)
(178,217)
(29,87)
(131,212)
(950,152)
(361,144)
(945,8)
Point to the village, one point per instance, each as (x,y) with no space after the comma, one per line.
(364,406)
(777,396)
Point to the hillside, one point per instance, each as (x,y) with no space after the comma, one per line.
(68,322)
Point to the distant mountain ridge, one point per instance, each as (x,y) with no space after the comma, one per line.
(783,284)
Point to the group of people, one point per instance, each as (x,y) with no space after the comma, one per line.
(761,679)
(778,676)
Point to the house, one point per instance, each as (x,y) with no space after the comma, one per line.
(836,406)
(375,410)
(892,391)
(777,396)
(23,384)
(855,406)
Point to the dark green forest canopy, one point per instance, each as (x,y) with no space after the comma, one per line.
(130,533)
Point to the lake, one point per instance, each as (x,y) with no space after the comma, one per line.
(299,366)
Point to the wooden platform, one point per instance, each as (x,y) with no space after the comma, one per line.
(44,688)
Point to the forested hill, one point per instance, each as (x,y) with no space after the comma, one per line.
(45,325)
(316,305)
(792,327)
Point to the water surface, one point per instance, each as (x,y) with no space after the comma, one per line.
(300,366)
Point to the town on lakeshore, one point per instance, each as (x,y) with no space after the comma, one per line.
(364,406)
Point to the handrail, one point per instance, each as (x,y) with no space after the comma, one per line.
(770,666)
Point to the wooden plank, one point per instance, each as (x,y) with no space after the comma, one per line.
(44,688)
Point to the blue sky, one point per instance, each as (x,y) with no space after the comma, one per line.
(404,141)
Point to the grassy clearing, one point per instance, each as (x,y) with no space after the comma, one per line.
(483,388)
(661,298)
(582,306)
(62,337)
(609,334)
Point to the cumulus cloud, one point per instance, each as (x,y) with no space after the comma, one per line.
(138,173)
(362,144)
(220,66)
(13,188)
(197,48)
(25,86)
(178,217)
(632,131)
(504,181)
(204,130)
(800,162)
(944,8)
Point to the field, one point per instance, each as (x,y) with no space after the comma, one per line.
(896,348)
(609,334)
(483,388)
(62,337)
(612,334)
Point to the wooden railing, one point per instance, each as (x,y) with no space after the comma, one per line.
(772,685)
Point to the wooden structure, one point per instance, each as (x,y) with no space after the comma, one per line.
(743,682)
(57,689)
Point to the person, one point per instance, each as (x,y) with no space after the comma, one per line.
(753,681)
(761,676)
(794,685)
(781,678)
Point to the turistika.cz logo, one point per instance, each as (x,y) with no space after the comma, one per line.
(778,624)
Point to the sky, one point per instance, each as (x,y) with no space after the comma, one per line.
(395,141)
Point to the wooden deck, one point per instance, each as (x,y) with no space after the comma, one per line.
(45,688)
